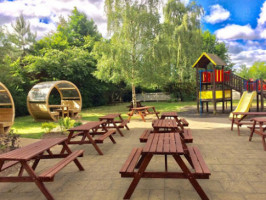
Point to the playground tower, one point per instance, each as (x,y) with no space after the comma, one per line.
(210,82)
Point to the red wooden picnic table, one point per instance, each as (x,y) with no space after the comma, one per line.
(143,111)
(115,121)
(180,121)
(165,144)
(87,131)
(239,119)
(260,130)
(37,151)
(165,125)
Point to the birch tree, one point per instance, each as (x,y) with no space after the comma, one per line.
(129,55)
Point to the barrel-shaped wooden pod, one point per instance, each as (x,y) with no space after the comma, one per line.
(7,109)
(38,100)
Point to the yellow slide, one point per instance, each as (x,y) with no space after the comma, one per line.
(244,103)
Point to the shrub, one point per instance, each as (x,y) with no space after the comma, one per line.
(66,123)
(48,126)
(9,141)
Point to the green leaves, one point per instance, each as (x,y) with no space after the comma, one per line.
(256,71)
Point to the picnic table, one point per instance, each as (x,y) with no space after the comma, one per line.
(111,122)
(166,144)
(166,126)
(62,110)
(180,121)
(239,119)
(138,104)
(143,111)
(88,131)
(35,152)
(260,129)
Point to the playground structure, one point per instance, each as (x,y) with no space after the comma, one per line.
(7,109)
(38,101)
(214,84)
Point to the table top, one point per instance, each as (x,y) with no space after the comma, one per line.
(164,123)
(110,116)
(32,150)
(167,143)
(87,126)
(143,108)
(169,114)
(259,119)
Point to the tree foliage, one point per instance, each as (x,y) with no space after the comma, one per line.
(22,37)
(256,71)
(128,55)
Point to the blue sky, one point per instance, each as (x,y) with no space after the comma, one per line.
(240,24)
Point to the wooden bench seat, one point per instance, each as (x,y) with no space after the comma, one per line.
(144,136)
(184,122)
(8,165)
(50,173)
(123,123)
(199,165)
(187,136)
(105,135)
(127,169)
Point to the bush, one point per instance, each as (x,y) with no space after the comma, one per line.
(48,126)
(9,141)
(66,123)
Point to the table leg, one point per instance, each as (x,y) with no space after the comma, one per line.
(263,142)
(155,112)
(39,183)
(165,160)
(93,143)
(142,117)
(130,115)
(122,121)
(117,128)
(66,147)
(190,177)
(233,120)
(252,131)
(138,175)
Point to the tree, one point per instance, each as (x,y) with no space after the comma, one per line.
(77,27)
(128,56)
(243,72)
(182,36)
(257,70)
(210,44)
(22,37)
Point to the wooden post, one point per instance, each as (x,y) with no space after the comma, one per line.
(223,86)
(261,95)
(231,100)
(197,86)
(214,91)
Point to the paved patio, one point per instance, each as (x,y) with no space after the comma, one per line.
(238,168)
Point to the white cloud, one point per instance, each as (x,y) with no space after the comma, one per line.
(33,10)
(217,14)
(235,32)
(262,18)
(248,57)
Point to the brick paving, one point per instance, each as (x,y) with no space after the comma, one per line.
(238,168)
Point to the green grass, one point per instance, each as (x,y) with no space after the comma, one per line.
(28,128)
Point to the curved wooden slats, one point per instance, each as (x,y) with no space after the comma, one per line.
(7,109)
(38,100)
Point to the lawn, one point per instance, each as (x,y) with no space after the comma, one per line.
(28,128)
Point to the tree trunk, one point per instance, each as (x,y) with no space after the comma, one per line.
(134,99)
